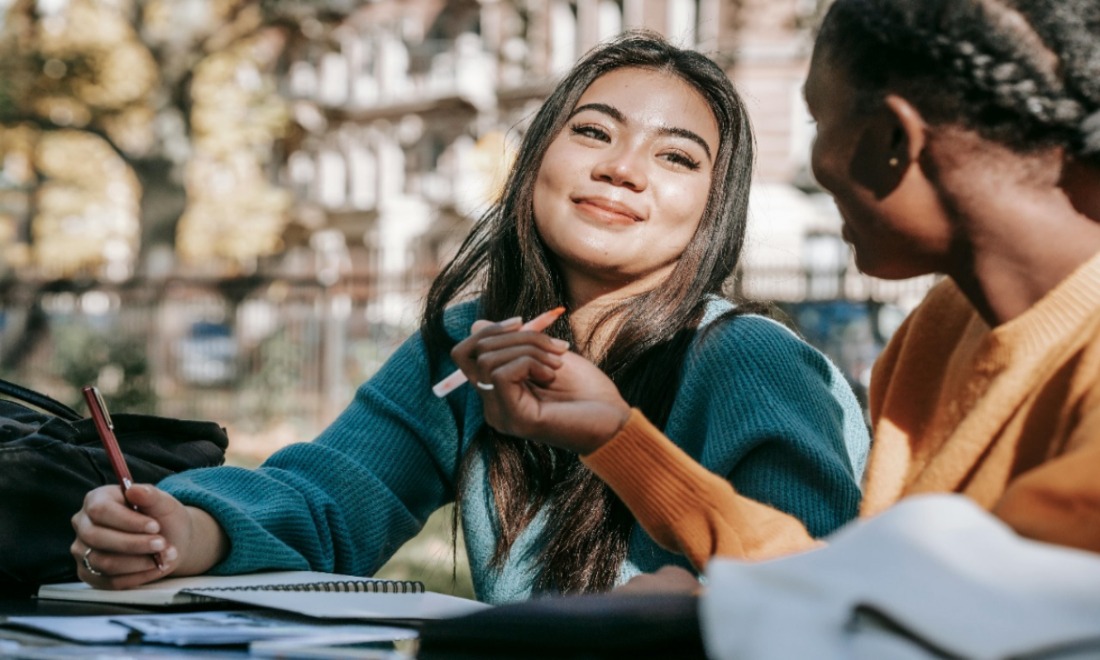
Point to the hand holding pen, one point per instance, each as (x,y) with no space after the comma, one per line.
(533,387)
(105,428)
(458,377)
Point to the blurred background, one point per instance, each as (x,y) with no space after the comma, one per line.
(231,209)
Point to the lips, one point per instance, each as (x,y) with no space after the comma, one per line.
(608,210)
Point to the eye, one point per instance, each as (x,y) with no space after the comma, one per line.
(590,131)
(681,159)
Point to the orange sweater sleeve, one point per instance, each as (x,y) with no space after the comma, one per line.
(685,507)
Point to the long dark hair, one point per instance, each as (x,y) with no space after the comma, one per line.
(1025,73)
(505,262)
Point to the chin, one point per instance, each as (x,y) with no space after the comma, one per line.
(887,270)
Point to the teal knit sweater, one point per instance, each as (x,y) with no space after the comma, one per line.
(755,403)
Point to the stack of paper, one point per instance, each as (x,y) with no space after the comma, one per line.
(199,628)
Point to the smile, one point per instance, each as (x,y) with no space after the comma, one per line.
(607,210)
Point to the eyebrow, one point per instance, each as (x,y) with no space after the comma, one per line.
(614,113)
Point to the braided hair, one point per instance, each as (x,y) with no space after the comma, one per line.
(1024,73)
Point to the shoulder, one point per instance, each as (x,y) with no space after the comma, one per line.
(750,337)
(750,355)
(724,323)
(749,380)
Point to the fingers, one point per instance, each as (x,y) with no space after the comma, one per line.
(480,325)
(123,541)
(487,338)
(512,362)
(465,352)
(108,571)
(107,507)
(153,502)
(107,539)
(667,580)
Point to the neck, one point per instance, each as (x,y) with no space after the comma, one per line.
(1081,181)
(584,319)
(592,299)
(1019,250)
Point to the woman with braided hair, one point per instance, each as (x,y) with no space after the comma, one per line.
(957,137)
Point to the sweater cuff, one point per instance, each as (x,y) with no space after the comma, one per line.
(655,478)
(616,459)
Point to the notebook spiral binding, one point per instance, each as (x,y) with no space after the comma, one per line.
(336,586)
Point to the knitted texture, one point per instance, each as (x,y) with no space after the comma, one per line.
(1008,416)
(755,403)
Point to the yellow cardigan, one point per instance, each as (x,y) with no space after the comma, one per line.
(1008,416)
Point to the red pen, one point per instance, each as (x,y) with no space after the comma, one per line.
(105,428)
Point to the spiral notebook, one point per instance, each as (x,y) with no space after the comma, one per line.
(207,588)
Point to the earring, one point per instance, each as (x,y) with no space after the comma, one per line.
(894,162)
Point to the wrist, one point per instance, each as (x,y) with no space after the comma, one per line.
(207,545)
(616,420)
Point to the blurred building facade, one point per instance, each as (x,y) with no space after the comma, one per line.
(404,118)
(413,109)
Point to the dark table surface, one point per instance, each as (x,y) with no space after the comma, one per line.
(18,643)
(578,627)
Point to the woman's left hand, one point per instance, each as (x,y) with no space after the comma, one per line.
(540,390)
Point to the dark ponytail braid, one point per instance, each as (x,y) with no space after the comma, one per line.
(1025,73)
(1071,29)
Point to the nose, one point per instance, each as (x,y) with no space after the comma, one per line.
(622,166)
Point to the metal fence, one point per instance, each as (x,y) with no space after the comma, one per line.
(255,352)
(246,352)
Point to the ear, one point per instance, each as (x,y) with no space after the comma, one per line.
(891,139)
(911,127)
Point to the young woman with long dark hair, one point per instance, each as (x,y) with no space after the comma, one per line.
(626,206)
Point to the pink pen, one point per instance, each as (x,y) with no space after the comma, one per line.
(538,324)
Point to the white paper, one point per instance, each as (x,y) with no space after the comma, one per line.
(363,606)
(938,566)
(189,590)
(222,628)
(197,628)
(88,629)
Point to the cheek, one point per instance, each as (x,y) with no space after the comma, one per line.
(552,179)
(546,208)
(554,161)
(821,166)
(543,192)
(686,203)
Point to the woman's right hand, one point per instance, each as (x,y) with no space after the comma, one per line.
(123,542)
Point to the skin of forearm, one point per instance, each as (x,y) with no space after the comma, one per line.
(209,544)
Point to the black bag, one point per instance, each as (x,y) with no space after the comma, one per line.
(50,460)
